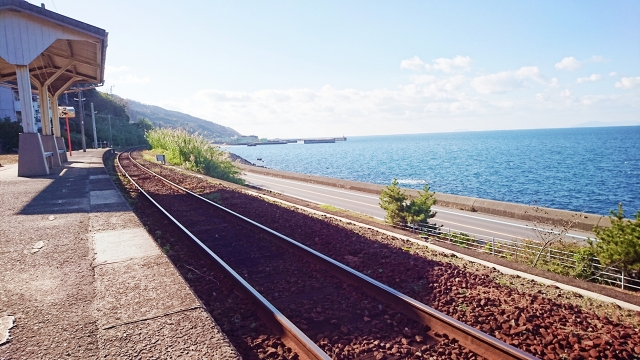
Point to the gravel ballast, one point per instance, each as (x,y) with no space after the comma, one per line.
(545,321)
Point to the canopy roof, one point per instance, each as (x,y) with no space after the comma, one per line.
(60,51)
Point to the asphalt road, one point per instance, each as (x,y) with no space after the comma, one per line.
(487,226)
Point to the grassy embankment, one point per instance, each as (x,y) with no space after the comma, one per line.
(193,152)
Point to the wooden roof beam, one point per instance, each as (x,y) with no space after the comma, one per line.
(76,59)
(69,48)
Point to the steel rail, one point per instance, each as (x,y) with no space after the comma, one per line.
(473,339)
(283,327)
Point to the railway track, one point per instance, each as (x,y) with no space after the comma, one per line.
(304,295)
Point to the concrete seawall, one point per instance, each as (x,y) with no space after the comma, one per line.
(585,222)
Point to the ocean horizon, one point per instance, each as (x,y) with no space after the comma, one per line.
(586,169)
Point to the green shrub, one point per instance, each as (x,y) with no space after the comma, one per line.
(9,135)
(461,239)
(76,141)
(193,152)
(584,263)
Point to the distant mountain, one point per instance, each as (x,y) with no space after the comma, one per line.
(173,119)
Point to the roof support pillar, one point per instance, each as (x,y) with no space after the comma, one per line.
(24,91)
(55,117)
(44,110)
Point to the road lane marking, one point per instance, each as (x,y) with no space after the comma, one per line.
(352,192)
(335,197)
(507,223)
(317,193)
(313,201)
(437,208)
(467,226)
(481,229)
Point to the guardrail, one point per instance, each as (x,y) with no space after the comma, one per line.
(525,251)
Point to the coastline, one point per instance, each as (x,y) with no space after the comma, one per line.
(585,222)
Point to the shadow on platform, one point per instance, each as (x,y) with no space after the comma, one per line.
(79,187)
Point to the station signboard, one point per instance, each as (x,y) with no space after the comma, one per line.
(66,112)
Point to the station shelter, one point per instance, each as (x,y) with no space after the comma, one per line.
(46,53)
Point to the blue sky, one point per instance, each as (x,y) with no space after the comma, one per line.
(303,68)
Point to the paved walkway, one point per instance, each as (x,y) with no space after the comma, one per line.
(81,278)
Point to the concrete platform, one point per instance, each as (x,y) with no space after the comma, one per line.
(81,278)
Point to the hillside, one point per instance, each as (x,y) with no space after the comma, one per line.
(174,119)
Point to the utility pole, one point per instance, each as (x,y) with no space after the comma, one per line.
(93,120)
(110,134)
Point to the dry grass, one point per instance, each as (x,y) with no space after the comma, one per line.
(340,211)
(7,159)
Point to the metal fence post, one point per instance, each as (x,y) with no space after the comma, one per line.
(493,246)
(622,279)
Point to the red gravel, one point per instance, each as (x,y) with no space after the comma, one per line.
(346,322)
(537,324)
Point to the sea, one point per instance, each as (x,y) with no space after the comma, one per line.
(579,169)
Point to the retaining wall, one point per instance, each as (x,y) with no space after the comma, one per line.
(585,221)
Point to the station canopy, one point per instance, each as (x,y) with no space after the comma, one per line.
(46,53)
(60,51)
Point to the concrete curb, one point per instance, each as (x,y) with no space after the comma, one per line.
(585,222)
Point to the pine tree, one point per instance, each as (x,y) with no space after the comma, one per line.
(393,201)
(419,209)
(619,245)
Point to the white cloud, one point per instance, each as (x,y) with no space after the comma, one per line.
(130,79)
(542,97)
(593,77)
(448,65)
(628,82)
(496,83)
(598,59)
(428,102)
(506,81)
(458,63)
(314,112)
(440,87)
(445,104)
(613,73)
(123,76)
(414,64)
(569,63)
(115,69)
(424,79)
